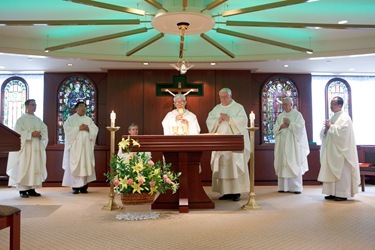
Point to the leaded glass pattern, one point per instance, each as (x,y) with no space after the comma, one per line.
(71,91)
(338,87)
(15,91)
(272,93)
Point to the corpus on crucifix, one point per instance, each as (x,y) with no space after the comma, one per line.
(179,86)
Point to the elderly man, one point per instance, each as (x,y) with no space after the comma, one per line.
(79,161)
(291,148)
(339,169)
(230,172)
(180,120)
(27,167)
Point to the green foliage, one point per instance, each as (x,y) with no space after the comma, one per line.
(136,172)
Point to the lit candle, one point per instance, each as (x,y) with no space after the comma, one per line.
(113,118)
(252,118)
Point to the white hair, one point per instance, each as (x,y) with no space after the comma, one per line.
(287,100)
(227,90)
(181,96)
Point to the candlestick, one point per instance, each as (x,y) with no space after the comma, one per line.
(113,118)
(111,202)
(252,118)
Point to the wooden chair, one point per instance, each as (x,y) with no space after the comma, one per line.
(369,171)
(11,217)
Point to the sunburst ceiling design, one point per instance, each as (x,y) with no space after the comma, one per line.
(219,30)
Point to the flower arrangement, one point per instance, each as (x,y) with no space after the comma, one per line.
(135,172)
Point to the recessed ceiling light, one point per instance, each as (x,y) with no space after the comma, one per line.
(69,64)
(343,22)
(286,65)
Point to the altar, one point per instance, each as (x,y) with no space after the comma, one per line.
(184,152)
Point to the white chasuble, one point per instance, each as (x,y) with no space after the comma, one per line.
(338,150)
(79,160)
(27,167)
(230,173)
(169,122)
(291,147)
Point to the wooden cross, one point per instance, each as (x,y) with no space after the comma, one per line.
(179,86)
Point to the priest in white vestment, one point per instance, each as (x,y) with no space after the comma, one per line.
(180,121)
(27,168)
(291,148)
(79,161)
(230,172)
(339,170)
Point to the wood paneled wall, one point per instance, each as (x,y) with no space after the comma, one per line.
(132,95)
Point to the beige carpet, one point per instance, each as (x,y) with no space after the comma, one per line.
(60,220)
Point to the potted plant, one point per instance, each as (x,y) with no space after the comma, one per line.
(137,178)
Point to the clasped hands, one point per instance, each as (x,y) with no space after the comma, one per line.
(84,127)
(223,117)
(36,134)
(327,125)
(180,118)
(285,124)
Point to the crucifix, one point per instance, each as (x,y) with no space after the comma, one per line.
(179,86)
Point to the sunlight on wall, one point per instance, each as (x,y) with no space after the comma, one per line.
(363,89)
(36,89)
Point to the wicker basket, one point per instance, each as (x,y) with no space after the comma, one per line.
(137,198)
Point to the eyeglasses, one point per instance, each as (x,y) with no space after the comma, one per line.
(179,102)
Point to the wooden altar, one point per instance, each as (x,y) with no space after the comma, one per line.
(10,141)
(184,152)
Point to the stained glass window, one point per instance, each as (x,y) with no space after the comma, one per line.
(338,87)
(71,91)
(15,93)
(272,93)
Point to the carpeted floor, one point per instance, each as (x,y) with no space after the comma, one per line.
(61,220)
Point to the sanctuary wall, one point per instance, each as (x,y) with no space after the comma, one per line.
(132,94)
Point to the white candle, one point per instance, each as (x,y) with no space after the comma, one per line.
(252,118)
(113,118)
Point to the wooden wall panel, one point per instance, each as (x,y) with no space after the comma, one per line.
(125,97)
(54,164)
(313,159)
(239,81)
(132,95)
(102,160)
(156,107)
(264,168)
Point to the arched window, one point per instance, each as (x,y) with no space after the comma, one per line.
(72,90)
(338,87)
(14,92)
(272,92)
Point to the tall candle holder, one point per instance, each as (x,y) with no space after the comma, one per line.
(251,204)
(111,202)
